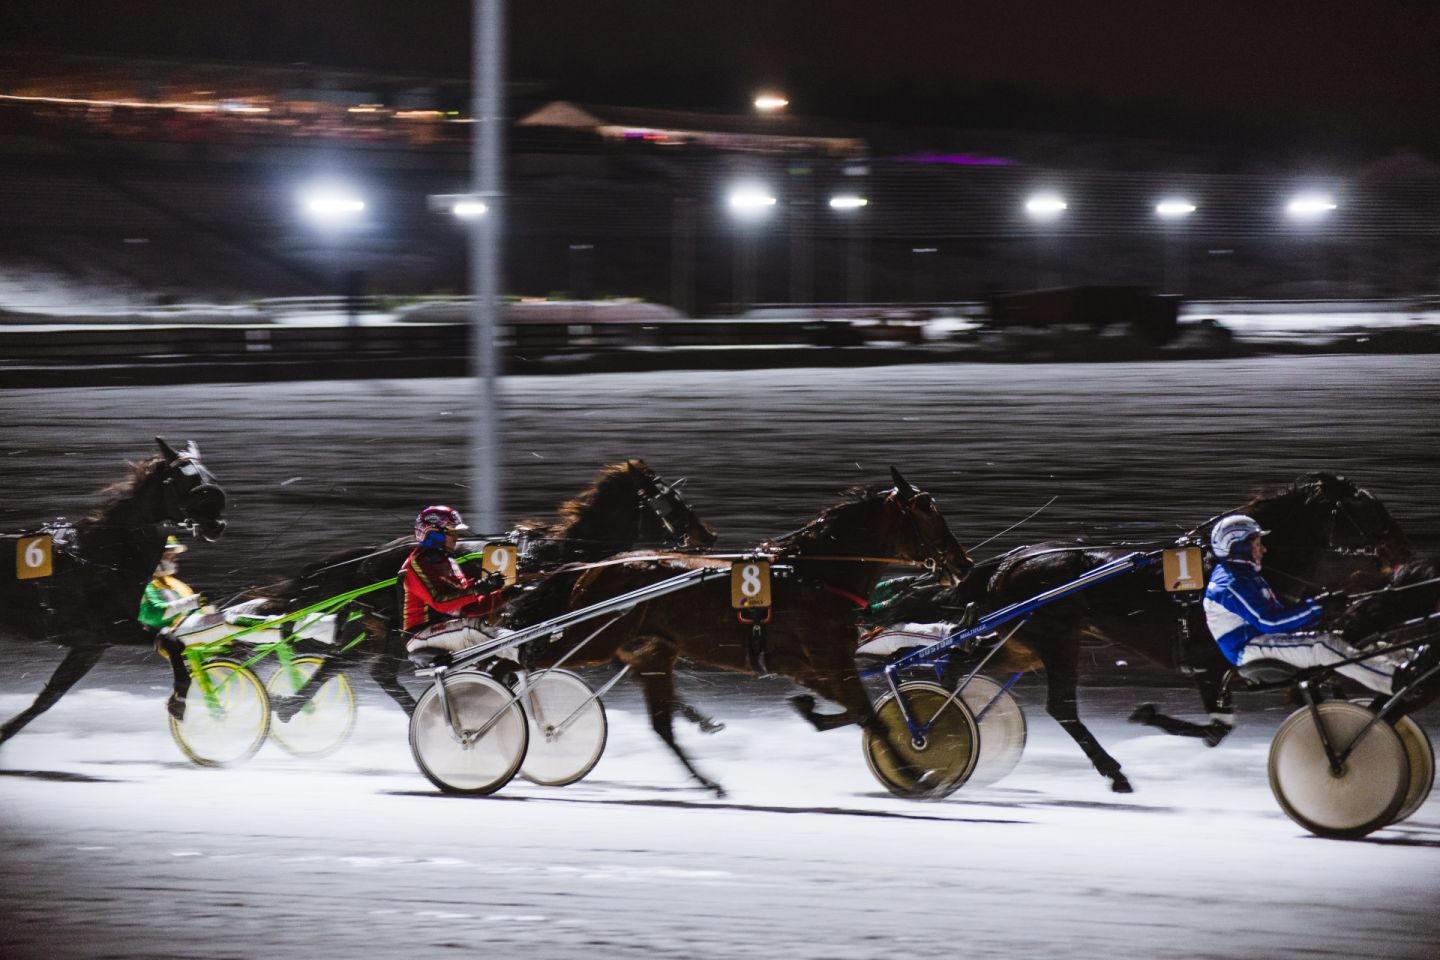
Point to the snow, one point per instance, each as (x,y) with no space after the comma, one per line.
(115,846)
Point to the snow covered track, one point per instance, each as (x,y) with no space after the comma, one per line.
(115,846)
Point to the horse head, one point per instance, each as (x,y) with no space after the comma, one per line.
(1325,528)
(924,534)
(190,496)
(664,514)
(1357,523)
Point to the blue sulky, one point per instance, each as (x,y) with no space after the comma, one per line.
(944,750)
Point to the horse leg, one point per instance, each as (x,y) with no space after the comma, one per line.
(844,689)
(1216,698)
(1062,680)
(385,671)
(286,707)
(706,724)
(655,668)
(78,662)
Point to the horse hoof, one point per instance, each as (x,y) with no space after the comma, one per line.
(175,706)
(1145,713)
(1215,732)
(1119,784)
(718,791)
(711,726)
(285,708)
(804,704)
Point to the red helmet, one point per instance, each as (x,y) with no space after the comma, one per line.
(438,518)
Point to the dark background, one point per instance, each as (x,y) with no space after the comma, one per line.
(1296,76)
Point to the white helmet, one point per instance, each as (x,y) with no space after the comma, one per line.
(1232,530)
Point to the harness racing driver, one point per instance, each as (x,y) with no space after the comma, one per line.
(1249,623)
(441,604)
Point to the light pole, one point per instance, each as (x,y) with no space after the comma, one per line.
(337,209)
(1309,209)
(749,203)
(1173,213)
(1046,207)
(850,205)
(487,184)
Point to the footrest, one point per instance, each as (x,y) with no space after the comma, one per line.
(1268,670)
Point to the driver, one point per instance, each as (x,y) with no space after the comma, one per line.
(167,598)
(1249,623)
(441,604)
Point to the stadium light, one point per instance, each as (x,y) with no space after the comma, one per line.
(332,206)
(848,201)
(1045,206)
(469,209)
(751,201)
(1310,206)
(1174,209)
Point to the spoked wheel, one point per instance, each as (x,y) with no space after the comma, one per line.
(486,744)
(567,729)
(1421,754)
(1002,729)
(227,715)
(326,719)
(937,763)
(1368,791)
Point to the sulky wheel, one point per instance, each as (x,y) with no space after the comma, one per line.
(941,760)
(482,748)
(1370,787)
(326,719)
(1002,729)
(227,715)
(567,729)
(1422,766)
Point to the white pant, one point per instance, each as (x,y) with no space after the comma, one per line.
(457,635)
(1316,650)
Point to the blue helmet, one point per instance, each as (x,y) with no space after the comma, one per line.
(1230,533)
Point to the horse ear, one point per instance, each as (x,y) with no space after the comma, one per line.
(167,451)
(902,487)
(192,450)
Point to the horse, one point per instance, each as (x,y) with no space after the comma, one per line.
(1412,593)
(625,506)
(810,634)
(100,566)
(1324,532)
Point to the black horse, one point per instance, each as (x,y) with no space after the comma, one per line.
(1325,532)
(625,506)
(100,566)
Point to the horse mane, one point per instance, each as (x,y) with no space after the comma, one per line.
(1307,484)
(124,490)
(816,528)
(611,483)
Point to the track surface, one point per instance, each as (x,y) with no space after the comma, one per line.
(112,846)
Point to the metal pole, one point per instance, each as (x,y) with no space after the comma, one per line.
(487,179)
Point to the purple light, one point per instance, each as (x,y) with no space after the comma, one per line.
(959,159)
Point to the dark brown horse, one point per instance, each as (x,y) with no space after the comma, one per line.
(101,565)
(1325,532)
(810,637)
(627,505)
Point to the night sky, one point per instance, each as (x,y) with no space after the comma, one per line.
(1346,72)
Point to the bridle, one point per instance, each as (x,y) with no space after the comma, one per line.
(934,551)
(1372,547)
(663,504)
(201,500)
